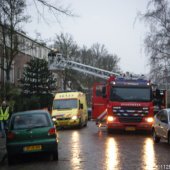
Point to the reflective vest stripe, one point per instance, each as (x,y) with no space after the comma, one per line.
(5,115)
(1,117)
(1,114)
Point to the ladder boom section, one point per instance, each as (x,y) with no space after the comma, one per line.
(59,63)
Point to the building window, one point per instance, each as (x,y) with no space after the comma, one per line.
(18,73)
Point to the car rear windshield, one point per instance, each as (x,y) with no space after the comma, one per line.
(25,121)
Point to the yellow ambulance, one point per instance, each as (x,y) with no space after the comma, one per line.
(70,109)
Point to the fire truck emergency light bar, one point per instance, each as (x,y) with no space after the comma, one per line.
(131,81)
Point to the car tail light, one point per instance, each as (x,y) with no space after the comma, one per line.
(10,135)
(52,131)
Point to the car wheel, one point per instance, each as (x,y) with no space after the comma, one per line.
(169,138)
(11,160)
(156,139)
(55,155)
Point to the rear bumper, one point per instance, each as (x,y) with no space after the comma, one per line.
(67,123)
(15,149)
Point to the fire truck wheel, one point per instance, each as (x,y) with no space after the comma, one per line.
(109,130)
(156,139)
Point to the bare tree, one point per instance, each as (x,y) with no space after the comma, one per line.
(66,45)
(48,9)
(102,59)
(96,56)
(11,17)
(157,41)
(55,9)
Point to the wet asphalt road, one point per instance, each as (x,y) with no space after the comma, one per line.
(92,149)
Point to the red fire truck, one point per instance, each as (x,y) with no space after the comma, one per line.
(123,102)
(126,103)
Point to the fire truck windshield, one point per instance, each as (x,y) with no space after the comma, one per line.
(130,94)
(65,104)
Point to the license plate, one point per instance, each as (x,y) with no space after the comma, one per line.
(130,128)
(32,148)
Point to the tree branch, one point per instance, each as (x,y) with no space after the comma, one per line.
(66,12)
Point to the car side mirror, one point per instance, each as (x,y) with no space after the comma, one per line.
(164,121)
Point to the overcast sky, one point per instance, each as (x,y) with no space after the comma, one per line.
(108,22)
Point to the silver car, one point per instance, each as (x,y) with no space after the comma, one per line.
(161,126)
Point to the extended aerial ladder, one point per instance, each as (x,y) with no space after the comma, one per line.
(56,61)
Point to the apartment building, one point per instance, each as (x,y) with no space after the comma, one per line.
(28,48)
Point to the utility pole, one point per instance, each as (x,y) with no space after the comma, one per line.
(166,84)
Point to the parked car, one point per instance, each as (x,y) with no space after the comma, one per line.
(31,132)
(161,126)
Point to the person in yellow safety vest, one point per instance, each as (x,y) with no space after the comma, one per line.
(4,113)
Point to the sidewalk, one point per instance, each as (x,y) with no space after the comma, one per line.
(2,147)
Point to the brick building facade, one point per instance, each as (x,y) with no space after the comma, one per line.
(30,49)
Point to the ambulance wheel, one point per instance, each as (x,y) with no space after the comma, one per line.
(80,124)
(85,124)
